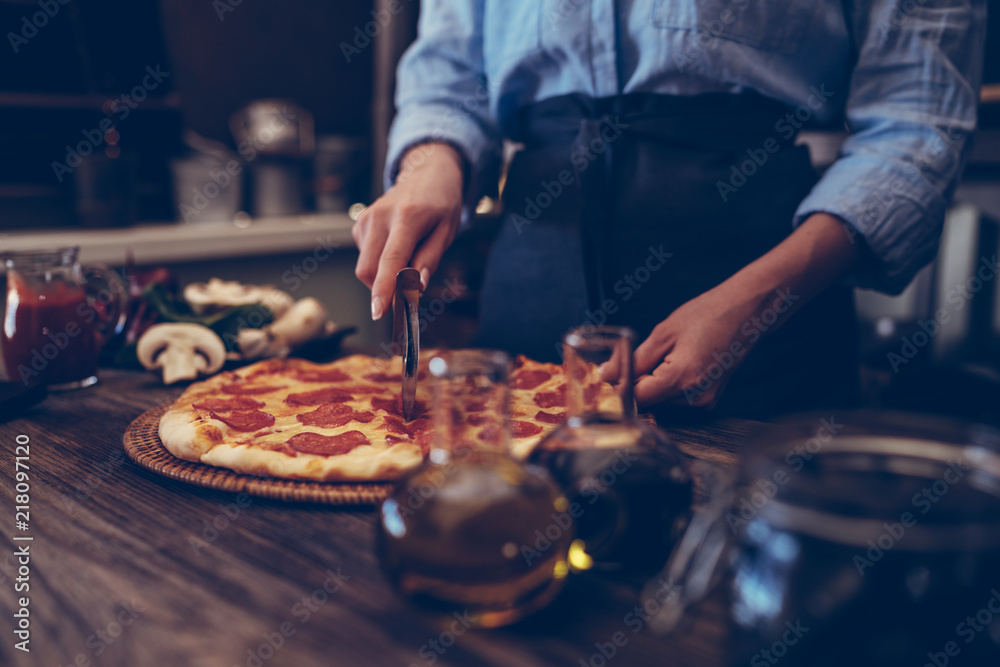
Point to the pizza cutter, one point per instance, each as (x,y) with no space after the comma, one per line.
(406,333)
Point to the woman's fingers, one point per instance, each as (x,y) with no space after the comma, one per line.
(651,352)
(371,237)
(661,385)
(396,254)
(428,254)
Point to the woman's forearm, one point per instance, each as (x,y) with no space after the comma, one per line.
(821,251)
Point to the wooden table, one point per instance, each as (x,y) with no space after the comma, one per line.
(126,567)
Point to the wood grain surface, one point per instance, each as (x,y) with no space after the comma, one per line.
(131,568)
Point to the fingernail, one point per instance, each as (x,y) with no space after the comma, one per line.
(377,308)
(425,277)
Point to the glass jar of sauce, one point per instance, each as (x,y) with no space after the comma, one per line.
(54,320)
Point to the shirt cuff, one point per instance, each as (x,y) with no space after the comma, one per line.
(441,123)
(897,214)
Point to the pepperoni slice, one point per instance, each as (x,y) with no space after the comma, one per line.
(323,375)
(366,389)
(327,445)
(551,399)
(326,414)
(591,392)
(319,396)
(390,405)
(227,404)
(529,379)
(412,429)
(246,420)
(332,415)
(520,429)
(363,417)
(550,417)
(248,389)
(394,407)
(383,377)
(475,406)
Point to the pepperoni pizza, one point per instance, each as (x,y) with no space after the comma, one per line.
(337,422)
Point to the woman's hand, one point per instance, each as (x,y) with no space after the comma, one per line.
(690,356)
(412,224)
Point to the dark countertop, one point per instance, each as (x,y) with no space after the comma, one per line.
(127,569)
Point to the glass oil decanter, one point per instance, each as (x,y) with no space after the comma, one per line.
(628,487)
(472,530)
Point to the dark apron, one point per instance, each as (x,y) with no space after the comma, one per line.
(615,213)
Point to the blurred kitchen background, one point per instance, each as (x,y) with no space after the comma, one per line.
(238,139)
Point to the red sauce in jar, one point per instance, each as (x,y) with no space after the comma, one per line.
(48,336)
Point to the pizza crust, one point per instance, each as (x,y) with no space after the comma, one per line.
(198,434)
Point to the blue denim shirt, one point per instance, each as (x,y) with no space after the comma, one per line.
(904,75)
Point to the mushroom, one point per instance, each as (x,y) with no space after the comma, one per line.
(216,295)
(182,350)
(305,320)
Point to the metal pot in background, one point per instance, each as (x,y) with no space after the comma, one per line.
(277,138)
(208,187)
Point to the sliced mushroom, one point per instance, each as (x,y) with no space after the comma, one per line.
(306,320)
(216,295)
(181,350)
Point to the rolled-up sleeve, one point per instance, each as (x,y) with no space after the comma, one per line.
(442,94)
(911,110)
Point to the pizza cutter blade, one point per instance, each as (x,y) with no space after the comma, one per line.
(406,333)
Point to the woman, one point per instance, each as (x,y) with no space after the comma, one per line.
(660,185)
